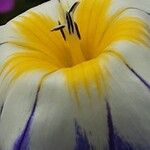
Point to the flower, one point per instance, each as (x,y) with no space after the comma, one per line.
(74,75)
(6,5)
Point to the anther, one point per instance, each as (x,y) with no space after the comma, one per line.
(60,27)
(77,30)
(71,23)
(62,31)
(3,43)
(73,8)
(68,22)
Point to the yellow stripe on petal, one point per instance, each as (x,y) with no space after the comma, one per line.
(92,18)
(130,29)
(86,74)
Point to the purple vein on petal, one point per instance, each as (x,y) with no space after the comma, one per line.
(82,142)
(22,141)
(1,110)
(114,140)
(139,77)
(110,128)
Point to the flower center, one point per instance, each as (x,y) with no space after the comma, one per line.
(69,30)
(78,44)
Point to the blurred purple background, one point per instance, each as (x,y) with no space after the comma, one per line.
(6,5)
(11,8)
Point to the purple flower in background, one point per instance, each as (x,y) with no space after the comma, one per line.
(6,5)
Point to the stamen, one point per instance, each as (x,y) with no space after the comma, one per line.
(68,23)
(62,31)
(71,23)
(73,8)
(58,27)
(3,43)
(77,30)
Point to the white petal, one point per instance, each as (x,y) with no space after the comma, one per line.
(129,101)
(57,113)
(16,109)
(55,119)
(7,33)
(141,4)
(129,94)
(137,56)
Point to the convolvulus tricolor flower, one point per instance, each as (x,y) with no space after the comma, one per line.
(75,76)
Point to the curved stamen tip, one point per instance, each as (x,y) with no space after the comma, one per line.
(73,7)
